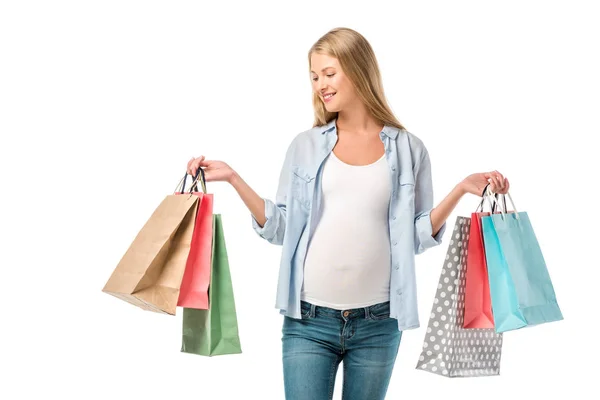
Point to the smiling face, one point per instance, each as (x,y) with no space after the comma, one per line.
(330,83)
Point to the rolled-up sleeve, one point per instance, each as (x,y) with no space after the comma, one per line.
(275,212)
(274,227)
(424,238)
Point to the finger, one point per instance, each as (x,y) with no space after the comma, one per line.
(197,164)
(491,178)
(494,175)
(506,185)
(192,164)
(189,165)
(503,185)
(500,179)
(205,163)
(195,167)
(202,162)
(492,183)
(498,183)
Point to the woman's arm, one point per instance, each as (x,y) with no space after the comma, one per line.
(268,217)
(440,214)
(251,199)
(474,184)
(429,221)
(219,171)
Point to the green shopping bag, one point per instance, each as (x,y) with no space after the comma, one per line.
(214,331)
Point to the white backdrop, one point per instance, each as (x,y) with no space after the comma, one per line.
(102,103)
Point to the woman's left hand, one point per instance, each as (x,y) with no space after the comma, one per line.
(475,183)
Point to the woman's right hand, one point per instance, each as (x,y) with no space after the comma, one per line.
(214,171)
(219,171)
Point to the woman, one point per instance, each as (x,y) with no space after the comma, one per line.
(353,206)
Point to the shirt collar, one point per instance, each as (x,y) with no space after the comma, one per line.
(390,131)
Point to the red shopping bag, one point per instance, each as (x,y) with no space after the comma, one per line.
(478,303)
(193,292)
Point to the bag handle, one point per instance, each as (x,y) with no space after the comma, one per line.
(199,176)
(504,211)
(484,197)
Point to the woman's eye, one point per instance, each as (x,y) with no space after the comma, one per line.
(328,75)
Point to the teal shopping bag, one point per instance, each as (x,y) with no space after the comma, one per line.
(520,286)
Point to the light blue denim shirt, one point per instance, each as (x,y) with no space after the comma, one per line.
(292,218)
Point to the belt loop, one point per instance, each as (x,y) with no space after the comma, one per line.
(367,313)
(312,310)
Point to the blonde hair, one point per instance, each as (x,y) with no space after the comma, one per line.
(357,59)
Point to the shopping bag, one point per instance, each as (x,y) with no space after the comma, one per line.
(449,349)
(521,290)
(196,278)
(214,331)
(149,274)
(478,303)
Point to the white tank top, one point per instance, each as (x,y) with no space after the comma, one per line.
(347,263)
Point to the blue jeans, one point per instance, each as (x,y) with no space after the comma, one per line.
(365,339)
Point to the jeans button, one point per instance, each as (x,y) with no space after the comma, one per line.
(346,313)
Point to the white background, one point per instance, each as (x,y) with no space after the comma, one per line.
(102,103)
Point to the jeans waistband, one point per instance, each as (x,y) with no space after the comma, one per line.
(352,313)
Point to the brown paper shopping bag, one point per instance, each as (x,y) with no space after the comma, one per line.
(149,275)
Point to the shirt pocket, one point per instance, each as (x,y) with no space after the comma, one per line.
(302,183)
(406,188)
(406,178)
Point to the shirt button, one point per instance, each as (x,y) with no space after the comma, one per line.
(395,243)
(397,266)
(398,292)
(393,168)
(394,217)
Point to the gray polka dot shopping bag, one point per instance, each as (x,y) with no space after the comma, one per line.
(449,349)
